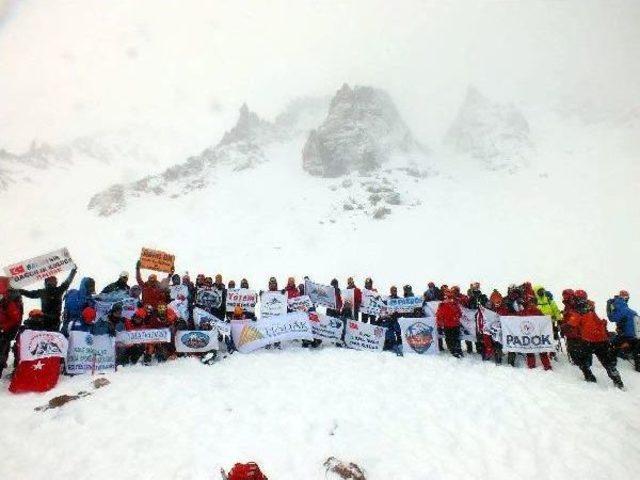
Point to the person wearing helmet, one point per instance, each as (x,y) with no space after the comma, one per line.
(120,285)
(626,320)
(11,309)
(570,334)
(51,299)
(153,292)
(595,340)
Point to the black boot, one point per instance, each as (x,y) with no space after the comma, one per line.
(588,375)
(636,363)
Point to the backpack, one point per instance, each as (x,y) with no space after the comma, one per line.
(246,471)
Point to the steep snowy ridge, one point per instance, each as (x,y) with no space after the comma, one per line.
(362,131)
(493,133)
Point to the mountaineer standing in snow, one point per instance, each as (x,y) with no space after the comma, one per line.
(478,299)
(153,293)
(51,299)
(368,285)
(548,306)
(432,293)
(75,301)
(496,304)
(529,309)
(120,285)
(595,340)
(618,311)
(357,297)
(448,318)
(11,310)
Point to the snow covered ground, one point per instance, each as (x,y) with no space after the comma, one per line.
(398,418)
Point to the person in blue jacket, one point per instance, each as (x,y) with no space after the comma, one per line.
(76,301)
(624,317)
(393,335)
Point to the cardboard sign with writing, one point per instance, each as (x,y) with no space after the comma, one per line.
(156,260)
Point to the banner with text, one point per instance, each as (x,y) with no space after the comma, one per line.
(272,304)
(156,260)
(35,269)
(324,295)
(403,305)
(371,303)
(104,304)
(193,341)
(325,327)
(209,298)
(300,304)
(134,337)
(249,336)
(178,292)
(90,353)
(491,324)
(419,335)
(468,324)
(364,336)
(242,297)
(527,334)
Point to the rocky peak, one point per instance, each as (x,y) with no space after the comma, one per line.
(363,129)
(249,128)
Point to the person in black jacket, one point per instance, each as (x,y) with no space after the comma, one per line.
(120,285)
(51,299)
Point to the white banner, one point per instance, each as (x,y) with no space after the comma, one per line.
(209,298)
(272,304)
(35,345)
(491,324)
(348,296)
(202,317)
(178,292)
(419,335)
(134,337)
(371,303)
(324,295)
(89,353)
(403,305)
(103,305)
(188,341)
(300,304)
(527,334)
(364,336)
(325,327)
(243,297)
(431,308)
(468,324)
(249,336)
(181,307)
(34,269)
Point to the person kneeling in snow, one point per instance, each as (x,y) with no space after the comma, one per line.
(129,355)
(393,334)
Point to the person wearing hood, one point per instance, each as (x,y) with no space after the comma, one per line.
(129,355)
(11,310)
(432,293)
(75,301)
(50,299)
(120,285)
(619,312)
(547,305)
(153,292)
(595,341)
(393,334)
(571,335)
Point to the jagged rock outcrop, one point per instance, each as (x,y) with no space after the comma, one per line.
(363,129)
(494,133)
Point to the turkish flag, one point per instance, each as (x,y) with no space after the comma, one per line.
(36,375)
(39,355)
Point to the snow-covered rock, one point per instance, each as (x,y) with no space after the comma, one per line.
(362,131)
(496,134)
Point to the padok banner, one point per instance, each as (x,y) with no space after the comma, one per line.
(249,336)
(527,334)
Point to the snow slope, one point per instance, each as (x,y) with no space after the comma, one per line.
(411,418)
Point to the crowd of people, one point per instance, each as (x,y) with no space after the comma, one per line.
(583,332)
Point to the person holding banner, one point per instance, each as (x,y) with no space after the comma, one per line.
(129,355)
(153,293)
(530,309)
(496,304)
(357,297)
(51,299)
(75,301)
(368,285)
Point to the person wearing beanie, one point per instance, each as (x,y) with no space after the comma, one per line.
(120,285)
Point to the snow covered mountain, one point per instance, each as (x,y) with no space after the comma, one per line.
(493,133)
(362,131)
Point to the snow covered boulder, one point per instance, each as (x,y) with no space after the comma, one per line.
(493,133)
(362,131)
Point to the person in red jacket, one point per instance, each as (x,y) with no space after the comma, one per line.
(129,355)
(595,340)
(530,309)
(496,304)
(357,296)
(448,318)
(291,290)
(11,310)
(153,293)
(570,333)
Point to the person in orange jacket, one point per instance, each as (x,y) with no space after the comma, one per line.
(153,292)
(595,340)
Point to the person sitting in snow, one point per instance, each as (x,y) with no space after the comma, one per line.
(129,355)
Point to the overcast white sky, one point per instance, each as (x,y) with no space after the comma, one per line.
(75,67)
